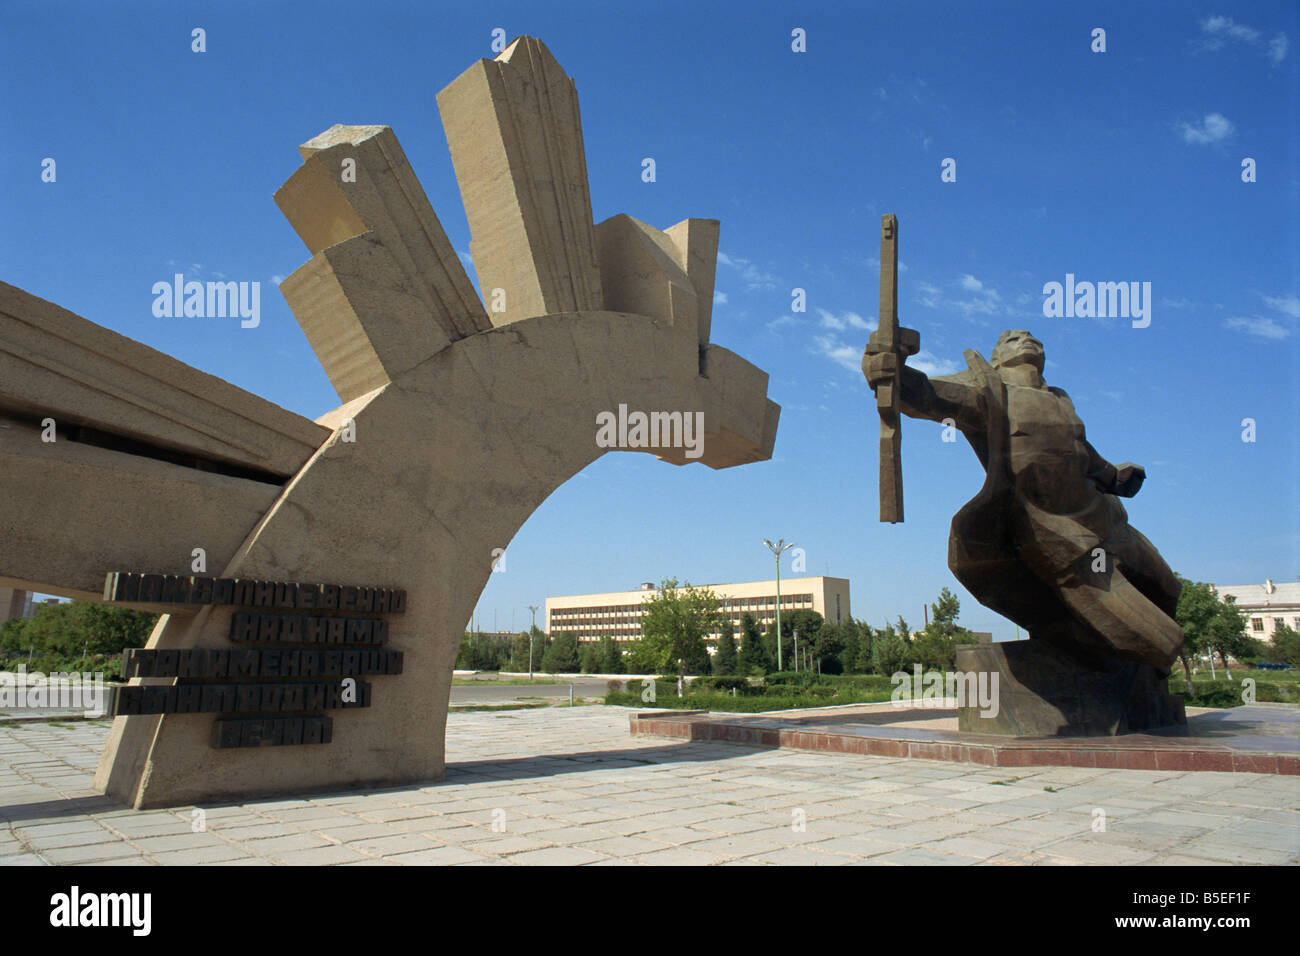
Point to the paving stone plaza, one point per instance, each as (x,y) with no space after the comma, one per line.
(562,786)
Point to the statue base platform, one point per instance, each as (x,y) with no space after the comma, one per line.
(1044,692)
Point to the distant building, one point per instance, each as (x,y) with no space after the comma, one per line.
(15,603)
(618,614)
(1268,605)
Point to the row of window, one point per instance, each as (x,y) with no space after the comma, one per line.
(628,612)
(1257,623)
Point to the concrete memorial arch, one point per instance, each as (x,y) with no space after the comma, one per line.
(348,553)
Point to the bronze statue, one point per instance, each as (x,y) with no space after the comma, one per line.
(1046,542)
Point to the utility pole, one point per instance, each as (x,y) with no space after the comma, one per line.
(531,631)
(777,550)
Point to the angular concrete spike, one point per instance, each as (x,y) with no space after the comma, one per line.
(641,273)
(331,293)
(399,271)
(696,241)
(515,135)
(739,421)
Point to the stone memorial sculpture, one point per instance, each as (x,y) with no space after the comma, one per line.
(459,416)
(1046,542)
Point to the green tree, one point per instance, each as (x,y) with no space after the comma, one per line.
(1198,608)
(829,644)
(465,653)
(753,659)
(866,644)
(1285,647)
(519,654)
(589,659)
(611,656)
(562,656)
(640,658)
(727,657)
(541,644)
(851,648)
(1227,633)
(936,646)
(60,635)
(13,638)
(889,652)
(674,623)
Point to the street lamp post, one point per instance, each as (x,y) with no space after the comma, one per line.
(531,630)
(777,550)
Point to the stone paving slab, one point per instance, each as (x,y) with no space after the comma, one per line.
(568,787)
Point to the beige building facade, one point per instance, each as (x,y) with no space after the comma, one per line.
(15,602)
(1268,606)
(617,614)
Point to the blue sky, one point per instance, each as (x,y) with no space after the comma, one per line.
(1115,166)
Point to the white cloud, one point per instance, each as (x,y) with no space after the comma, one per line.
(983,300)
(1277,48)
(1226,26)
(783,320)
(1287,304)
(847,320)
(1213,128)
(465,259)
(839,352)
(277,279)
(1220,29)
(1260,327)
(931,364)
(755,279)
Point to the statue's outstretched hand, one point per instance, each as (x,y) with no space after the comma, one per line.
(880,367)
(1128,479)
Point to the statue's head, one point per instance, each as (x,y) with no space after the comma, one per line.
(1018,347)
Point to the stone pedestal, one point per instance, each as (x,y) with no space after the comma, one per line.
(1043,692)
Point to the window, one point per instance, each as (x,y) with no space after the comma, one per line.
(1278,622)
(1257,625)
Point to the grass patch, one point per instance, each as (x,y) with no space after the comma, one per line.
(1279,687)
(742,696)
